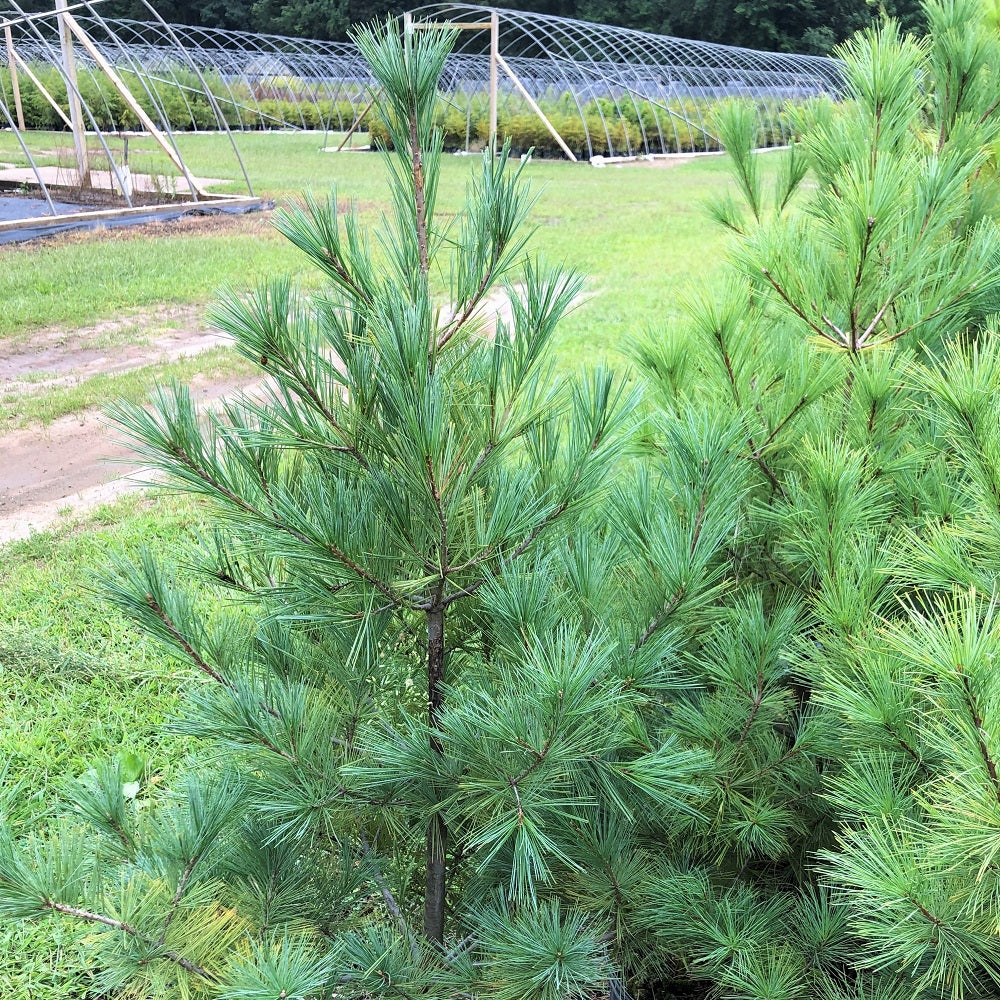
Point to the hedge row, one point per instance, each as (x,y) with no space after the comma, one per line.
(183,107)
(610,134)
(613,129)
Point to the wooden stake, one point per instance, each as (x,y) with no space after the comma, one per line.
(446,25)
(73,94)
(357,122)
(15,86)
(41,89)
(493,26)
(136,107)
(502,63)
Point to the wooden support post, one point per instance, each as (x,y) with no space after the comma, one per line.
(534,106)
(14,84)
(136,107)
(493,26)
(73,95)
(41,89)
(356,124)
(494,57)
(449,25)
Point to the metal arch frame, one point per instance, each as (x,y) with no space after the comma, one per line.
(613,77)
(72,88)
(640,78)
(697,73)
(131,65)
(80,45)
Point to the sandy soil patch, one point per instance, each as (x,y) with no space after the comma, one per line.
(79,461)
(74,464)
(60,357)
(659,161)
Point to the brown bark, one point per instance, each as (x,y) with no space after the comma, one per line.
(437,830)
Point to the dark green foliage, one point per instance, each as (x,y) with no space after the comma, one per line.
(506,685)
(772,25)
(177,98)
(600,128)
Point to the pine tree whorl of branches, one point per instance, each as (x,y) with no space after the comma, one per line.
(512,685)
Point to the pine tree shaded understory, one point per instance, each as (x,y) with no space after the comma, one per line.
(510,685)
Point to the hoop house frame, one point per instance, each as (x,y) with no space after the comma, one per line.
(598,89)
(87,65)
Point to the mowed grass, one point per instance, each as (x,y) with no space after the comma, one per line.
(80,687)
(76,281)
(80,684)
(637,231)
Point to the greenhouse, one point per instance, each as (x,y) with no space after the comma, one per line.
(558,86)
(616,91)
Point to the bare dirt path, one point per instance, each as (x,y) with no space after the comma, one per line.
(77,462)
(73,465)
(55,357)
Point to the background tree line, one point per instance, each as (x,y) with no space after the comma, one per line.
(810,26)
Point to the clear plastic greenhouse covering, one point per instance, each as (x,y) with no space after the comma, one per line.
(634,93)
(613,91)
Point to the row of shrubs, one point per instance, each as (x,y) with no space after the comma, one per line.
(184,106)
(610,134)
(602,127)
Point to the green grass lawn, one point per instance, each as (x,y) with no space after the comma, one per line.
(638,232)
(80,685)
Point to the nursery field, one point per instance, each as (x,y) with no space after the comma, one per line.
(88,318)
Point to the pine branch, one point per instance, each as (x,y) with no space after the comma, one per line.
(870,329)
(905,745)
(668,607)
(964,293)
(249,508)
(798,310)
(780,426)
(175,902)
(517,552)
(924,912)
(126,928)
(471,306)
(191,652)
(977,721)
(858,277)
(309,391)
(201,664)
(381,587)
(758,698)
(345,275)
(727,361)
(539,755)
(389,899)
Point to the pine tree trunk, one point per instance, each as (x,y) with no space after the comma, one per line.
(437,831)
